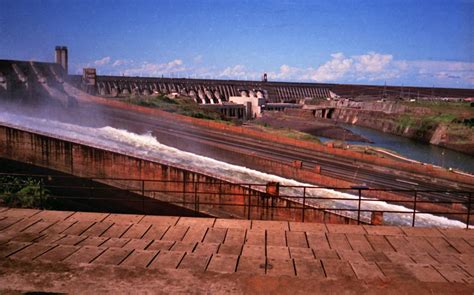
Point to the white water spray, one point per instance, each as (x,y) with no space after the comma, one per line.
(147,146)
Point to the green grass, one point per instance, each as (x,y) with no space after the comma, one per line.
(180,105)
(290,133)
(405,121)
(441,118)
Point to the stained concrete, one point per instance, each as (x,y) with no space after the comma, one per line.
(207,255)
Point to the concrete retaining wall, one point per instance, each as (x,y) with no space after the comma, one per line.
(184,187)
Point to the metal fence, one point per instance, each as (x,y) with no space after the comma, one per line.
(359,204)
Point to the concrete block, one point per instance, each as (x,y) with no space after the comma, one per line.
(112,256)
(58,253)
(255,237)
(115,243)
(123,218)
(232,223)
(155,232)
(338,242)
(160,245)
(167,259)
(358,242)
(380,243)
(280,267)
(139,258)
(79,227)
(308,227)
(137,244)
(87,217)
(301,253)
(309,268)
(93,241)
(235,236)
(278,252)
(159,220)
(230,249)
(223,263)
(336,269)
(70,240)
(97,229)
(184,246)
(12,247)
(251,265)
(425,273)
(136,231)
(196,221)
(215,235)
(253,251)
(31,252)
(296,239)
(206,248)
(175,233)
(195,234)
(367,271)
(317,240)
(195,262)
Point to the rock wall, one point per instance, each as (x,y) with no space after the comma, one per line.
(460,138)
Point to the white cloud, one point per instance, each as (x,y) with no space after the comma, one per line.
(120,62)
(156,69)
(102,61)
(334,69)
(238,72)
(372,62)
(368,67)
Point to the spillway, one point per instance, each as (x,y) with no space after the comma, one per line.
(148,147)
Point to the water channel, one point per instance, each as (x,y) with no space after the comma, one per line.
(415,150)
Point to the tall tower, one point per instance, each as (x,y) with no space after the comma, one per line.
(57,54)
(64,58)
(61,56)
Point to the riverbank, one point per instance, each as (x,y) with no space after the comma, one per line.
(444,124)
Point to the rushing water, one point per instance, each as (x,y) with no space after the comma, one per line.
(423,152)
(147,146)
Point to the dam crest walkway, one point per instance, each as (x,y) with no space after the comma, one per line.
(65,251)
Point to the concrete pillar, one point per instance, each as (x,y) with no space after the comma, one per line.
(57,55)
(273,189)
(317,169)
(376,218)
(64,58)
(298,164)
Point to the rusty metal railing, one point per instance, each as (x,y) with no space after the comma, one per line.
(358,203)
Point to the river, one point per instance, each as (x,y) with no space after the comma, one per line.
(412,149)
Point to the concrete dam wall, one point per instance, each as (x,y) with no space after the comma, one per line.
(178,186)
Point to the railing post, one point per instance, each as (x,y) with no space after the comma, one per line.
(220,195)
(358,206)
(250,203)
(195,198)
(469,210)
(143,196)
(304,203)
(184,188)
(414,210)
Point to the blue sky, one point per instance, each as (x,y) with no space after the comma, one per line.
(398,42)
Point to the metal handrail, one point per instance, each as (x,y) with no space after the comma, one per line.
(95,186)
